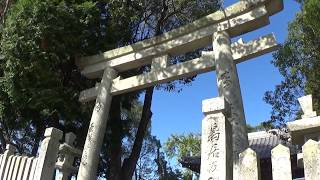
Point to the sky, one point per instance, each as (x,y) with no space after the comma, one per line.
(180,113)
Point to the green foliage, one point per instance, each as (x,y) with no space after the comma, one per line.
(298,61)
(152,163)
(178,146)
(311,10)
(40,83)
(38,44)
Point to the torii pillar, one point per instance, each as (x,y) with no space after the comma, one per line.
(229,87)
(97,128)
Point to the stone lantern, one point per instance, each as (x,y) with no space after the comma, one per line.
(306,128)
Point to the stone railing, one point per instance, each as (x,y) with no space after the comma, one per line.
(281,164)
(42,167)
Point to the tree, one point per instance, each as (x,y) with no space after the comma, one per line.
(179,146)
(298,61)
(151,163)
(40,82)
(159,17)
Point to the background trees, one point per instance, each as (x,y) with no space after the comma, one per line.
(180,146)
(298,61)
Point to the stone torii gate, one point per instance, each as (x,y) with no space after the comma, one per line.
(215,29)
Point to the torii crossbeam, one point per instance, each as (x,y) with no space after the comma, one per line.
(238,19)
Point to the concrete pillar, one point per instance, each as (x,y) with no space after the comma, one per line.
(90,157)
(48,153)
(281,163)
(229,87)
(216,141)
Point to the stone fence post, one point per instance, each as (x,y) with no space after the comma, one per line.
(281,163)
(216,141)
(311,159)
(249,165)
(10,150)
(48,154)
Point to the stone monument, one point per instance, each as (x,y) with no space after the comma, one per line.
(305,133)
(216,140)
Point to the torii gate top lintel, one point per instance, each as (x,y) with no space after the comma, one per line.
(237,12)
(238,19)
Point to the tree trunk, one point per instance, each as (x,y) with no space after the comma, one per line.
(129,164)
(159,164)
(116,139)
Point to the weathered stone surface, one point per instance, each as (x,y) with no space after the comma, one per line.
(216,142)
(70,138)
(249,165)
(159,63)
(241,52)
(97,128)
(311,159)
(229,87)
(216,105)
(201,38)
(307,107)
(273,6)
(67,153)
(48,154)
(309,126)
(300,129)
(281,164)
